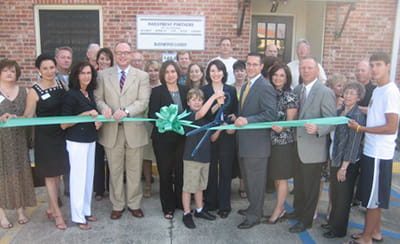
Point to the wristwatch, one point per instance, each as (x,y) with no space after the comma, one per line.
(126,111)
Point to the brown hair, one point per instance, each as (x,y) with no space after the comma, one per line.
(194,93)
(10,63)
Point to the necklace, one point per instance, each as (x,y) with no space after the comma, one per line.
(10,93)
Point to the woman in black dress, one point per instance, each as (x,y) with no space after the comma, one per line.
(168,147)
(281,161)
(45,99)
(218,193)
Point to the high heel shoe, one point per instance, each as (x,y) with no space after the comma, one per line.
(281,215)
(62,226)
(50,215)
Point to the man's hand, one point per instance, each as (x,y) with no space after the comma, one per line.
(241,121)
(311,128)
(107,113)
(119,114)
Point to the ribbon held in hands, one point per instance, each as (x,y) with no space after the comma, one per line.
(169,120)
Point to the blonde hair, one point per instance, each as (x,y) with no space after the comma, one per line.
(195,93)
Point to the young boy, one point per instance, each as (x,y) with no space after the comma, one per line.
(195,169)
(379,144)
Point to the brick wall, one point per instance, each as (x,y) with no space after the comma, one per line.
(369,29)
(17,36)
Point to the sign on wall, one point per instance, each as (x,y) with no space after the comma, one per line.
(170,32)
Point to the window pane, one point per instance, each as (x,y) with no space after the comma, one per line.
(281,31)
(74,28)
(260,30)
(281,47)
(271,30)
(260,45)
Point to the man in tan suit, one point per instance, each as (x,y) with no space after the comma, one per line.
(123,91)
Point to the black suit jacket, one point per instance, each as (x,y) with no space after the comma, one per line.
(160,97)
(75,103)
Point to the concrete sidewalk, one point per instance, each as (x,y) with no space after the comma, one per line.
(153,228)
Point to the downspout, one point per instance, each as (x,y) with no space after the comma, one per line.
(396,43)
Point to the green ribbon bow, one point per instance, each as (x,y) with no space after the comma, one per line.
(169,120)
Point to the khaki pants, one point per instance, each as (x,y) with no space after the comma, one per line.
(122,158)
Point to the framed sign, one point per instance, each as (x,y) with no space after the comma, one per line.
(170,32)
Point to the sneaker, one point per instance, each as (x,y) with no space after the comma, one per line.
(188,221)
(204,215)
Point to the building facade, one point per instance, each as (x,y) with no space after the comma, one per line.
(339,37)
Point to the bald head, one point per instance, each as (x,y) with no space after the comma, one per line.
(363,72)
(271,51)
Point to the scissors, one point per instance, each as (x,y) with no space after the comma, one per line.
(218,120)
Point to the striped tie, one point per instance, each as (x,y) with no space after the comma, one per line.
(245,93)
(122,80)
(303,97)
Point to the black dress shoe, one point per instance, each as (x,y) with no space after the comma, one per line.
(247,224)
(204,215)
(299,227)
(291,215)
(242,212)
(330,234)
(326,226)
(223,213)
(188,221)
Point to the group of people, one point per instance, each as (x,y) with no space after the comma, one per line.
(228,91)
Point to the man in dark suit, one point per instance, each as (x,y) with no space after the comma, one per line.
(316,101)
(257,104)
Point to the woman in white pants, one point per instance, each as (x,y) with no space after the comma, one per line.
(81,141)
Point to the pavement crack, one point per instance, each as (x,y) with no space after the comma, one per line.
(171,230)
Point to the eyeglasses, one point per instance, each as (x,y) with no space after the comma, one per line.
(350,93)
(122,53)
(252,64)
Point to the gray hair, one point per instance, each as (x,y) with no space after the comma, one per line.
(92,45)
(300,41)
(356,86)
(58,49)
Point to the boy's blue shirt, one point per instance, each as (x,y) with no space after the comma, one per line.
(203,155)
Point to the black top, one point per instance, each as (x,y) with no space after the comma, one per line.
(75,103)
(203,154)
(369,88)
(347,142)
(160,97)
(232,108)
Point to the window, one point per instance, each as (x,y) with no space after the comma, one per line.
(276,30)
(67,27)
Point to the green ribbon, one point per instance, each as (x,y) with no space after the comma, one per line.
(169,120)
(289,123)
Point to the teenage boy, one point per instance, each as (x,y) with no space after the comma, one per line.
(196,167)
(379,144)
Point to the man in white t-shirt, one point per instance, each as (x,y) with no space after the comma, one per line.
(303,49)
(379,145)
(226,58)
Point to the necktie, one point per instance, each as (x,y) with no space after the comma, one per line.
(122,80)
(303,97)
(246,91)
